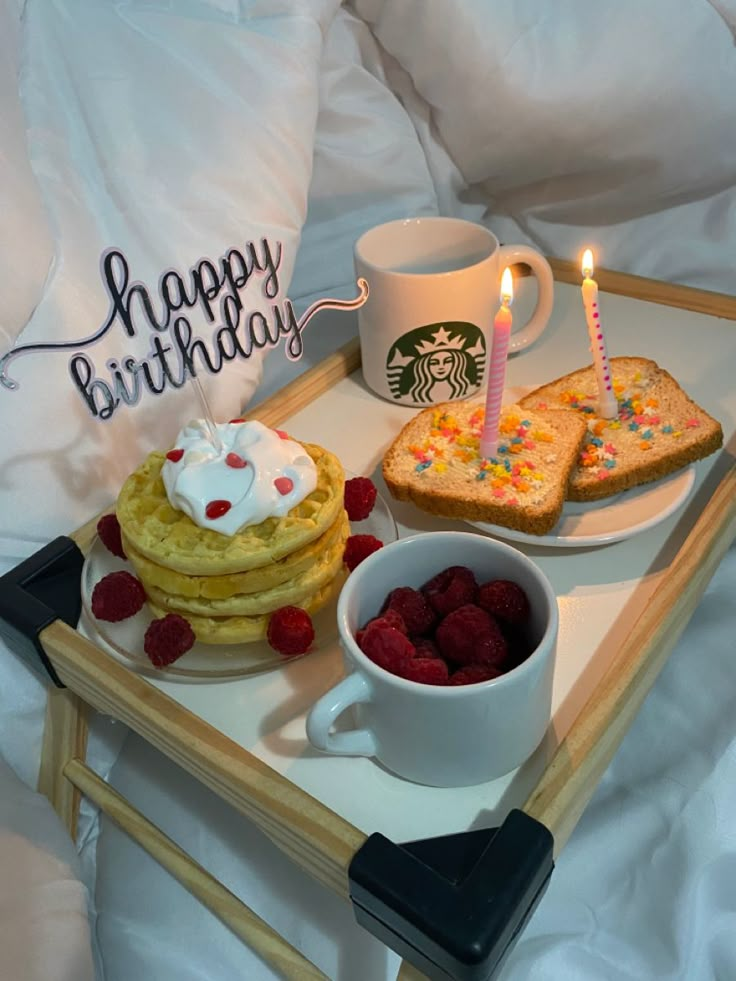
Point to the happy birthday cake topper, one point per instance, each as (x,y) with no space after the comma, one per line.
(176,353)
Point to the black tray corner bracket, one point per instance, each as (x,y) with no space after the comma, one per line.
(45,587)
(453,906)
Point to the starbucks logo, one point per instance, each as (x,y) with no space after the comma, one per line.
(437,363)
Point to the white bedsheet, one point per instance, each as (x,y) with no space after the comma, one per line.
(44,927)
(178,130)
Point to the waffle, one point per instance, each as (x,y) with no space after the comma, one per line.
(237,583)
(289,593)
(170,538)
(246,629)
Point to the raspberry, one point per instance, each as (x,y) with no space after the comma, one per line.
(394,619)
(236,461)
(505,600)
(359,547)
(166,639)
(360,496)
(108,528)
(425,647)
(518,644)
(388,619)
(492,650)
(471,674)
(450,589)
(414,609)
(216,509)
(290,631)
(387,647)
(426,670)
(469,635)
(117,596)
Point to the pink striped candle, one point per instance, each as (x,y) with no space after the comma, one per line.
(497,369)
(607,402)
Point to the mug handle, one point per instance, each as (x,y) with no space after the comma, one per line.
(508,256)
(358,742)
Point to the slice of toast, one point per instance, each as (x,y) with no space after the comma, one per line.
(659,429)
(435,463)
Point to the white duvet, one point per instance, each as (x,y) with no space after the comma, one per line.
(177,130)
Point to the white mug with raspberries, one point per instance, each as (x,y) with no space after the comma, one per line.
(449,643)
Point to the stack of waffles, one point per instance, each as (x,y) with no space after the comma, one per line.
(226,587)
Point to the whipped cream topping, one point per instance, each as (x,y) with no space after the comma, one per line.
(259,473)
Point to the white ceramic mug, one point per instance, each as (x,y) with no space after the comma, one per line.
(449,736)
(434,286)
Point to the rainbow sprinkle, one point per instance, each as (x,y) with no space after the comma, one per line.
(452,445)
(637,414)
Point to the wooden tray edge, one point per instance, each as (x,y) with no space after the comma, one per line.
(651,290)
(568,782)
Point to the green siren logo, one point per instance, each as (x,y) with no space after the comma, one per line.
(437,363)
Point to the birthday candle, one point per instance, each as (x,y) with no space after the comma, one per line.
(497,368)
(607,403)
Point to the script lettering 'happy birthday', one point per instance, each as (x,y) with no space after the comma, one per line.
(176,353)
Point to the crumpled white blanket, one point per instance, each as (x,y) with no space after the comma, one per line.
(177,131)
(44,929)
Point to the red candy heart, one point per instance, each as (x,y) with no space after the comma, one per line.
(235,461)
(281,434)
(233,421)
(216,509)
(284,485)
(175,455)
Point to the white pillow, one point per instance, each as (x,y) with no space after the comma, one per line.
(26,247)
(604,124)
(170,132)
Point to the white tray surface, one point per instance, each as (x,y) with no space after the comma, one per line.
(601,591)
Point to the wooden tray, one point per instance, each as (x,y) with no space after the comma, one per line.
(670,568)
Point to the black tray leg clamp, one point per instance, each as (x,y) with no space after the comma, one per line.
(453,906)
(43,588)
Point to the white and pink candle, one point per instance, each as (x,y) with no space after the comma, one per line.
(607,403)
(497,368)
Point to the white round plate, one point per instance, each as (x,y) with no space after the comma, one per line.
(586,524)
(206,662)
